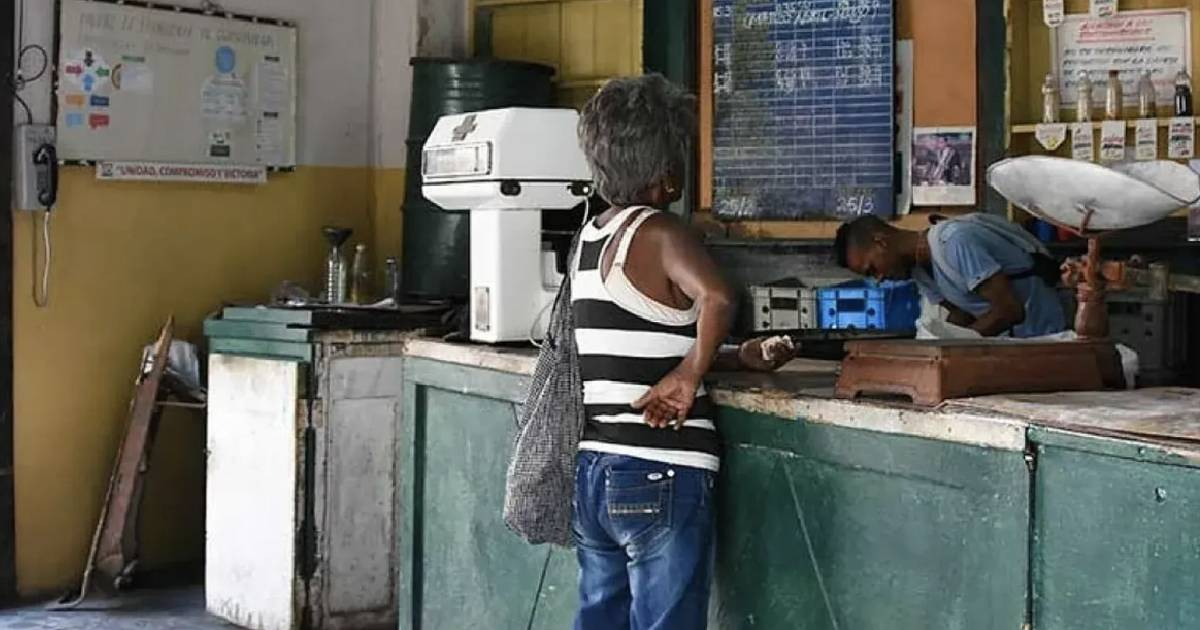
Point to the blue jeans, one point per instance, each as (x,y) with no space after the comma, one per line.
(644,534)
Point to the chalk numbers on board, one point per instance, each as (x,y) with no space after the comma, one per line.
(803,108)
(855,203)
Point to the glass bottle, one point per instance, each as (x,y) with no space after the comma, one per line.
(360,276)
(1113,98)
(1147,96)
(1183,93)
(1083,100)
(391,279)
(1050,100)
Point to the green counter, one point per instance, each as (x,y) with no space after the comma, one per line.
(817,523)
(1117,526)
(832,515)
(827,527)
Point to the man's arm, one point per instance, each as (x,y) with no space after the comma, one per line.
(1005,310)
(689,267)
(984,276)
(957,316)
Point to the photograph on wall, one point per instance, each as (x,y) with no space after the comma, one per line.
(943,166)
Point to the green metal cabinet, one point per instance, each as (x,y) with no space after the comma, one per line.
(820,526)
(829,527)
(466,569)
(1117,535)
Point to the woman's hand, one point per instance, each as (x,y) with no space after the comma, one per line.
(669,400)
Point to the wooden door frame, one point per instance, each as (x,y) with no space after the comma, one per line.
(8,578)
(991,96)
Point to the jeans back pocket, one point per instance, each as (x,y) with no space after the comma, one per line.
(639,503)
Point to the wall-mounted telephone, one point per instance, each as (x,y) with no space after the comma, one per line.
(35,188)
(36,185)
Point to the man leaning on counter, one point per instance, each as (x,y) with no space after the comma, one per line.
(991,275)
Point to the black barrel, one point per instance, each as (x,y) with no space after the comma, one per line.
(436,254)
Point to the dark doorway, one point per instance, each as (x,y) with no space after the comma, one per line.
(8,577)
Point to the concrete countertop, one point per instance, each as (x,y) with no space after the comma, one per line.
(802,391)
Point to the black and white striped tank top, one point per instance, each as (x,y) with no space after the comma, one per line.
(627,342)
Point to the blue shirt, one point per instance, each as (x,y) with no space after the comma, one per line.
(977,253)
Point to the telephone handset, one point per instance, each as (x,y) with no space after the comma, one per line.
(35,185)
(45,160)
(35,189)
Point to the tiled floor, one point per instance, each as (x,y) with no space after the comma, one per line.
(147,609)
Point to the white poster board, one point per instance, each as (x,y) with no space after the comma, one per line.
(1132,42)
(158,85)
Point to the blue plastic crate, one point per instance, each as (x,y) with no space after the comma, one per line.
(868,305)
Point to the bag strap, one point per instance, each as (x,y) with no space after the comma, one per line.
(1010,233)
(563,298)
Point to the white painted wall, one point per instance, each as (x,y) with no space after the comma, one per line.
(355,82)
(442,28)
(394,40)
(433,28)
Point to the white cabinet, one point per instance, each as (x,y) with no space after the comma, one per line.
(301,492)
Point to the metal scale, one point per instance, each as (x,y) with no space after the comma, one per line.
(1088,199)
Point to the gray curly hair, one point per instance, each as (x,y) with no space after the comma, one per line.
(635,133)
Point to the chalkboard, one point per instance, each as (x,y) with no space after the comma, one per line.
(804,102)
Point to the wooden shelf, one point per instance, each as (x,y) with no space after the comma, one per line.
(1129,124)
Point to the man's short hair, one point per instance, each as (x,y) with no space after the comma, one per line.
(859,234)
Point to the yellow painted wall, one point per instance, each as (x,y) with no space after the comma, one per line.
(586,41)
(127,255)
(387,218)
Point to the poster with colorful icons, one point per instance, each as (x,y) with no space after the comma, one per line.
(154,85)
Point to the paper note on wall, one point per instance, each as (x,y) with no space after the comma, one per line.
(1147,139)
(271,90)
(269,140)
(1131,43)
(1051,135)
(1083,146)
(1052,12)
(133,76)
(1112,140)
(1104,8)
(223,99)
(1181,139)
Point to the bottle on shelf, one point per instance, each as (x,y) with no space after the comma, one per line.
(1147,96)
(1050,100)
(1183,93)
(1083,98)
(391,280)
(1113,98)
(335,264)
(360,276)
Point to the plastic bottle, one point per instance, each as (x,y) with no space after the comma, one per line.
(1050,100)
(1113,96)
(1147,96)
(1083,100)
(1183,93)
(335,276)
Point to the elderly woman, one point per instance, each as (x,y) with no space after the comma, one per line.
(651,310)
